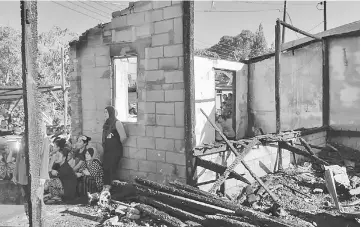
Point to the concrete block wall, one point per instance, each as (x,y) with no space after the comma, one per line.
(153,31)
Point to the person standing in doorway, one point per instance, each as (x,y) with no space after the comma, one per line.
(113,139)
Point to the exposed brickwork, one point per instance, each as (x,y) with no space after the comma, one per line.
(154,31)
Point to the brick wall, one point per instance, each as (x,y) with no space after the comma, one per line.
(154,31)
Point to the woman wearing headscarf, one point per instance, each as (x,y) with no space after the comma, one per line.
(113,139)
(81,147)
(90,174)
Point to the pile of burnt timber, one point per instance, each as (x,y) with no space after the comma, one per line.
(178,205)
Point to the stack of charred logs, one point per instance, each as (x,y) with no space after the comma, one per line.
(179,205)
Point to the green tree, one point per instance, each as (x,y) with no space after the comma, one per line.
(49,62)
(259,45)
(240,47)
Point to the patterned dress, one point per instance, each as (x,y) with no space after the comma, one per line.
(94,182)
(6,169)
(64,185)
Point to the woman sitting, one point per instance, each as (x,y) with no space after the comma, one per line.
(58,144)
(90,174)
(7,164)
(80,148)
(62,185)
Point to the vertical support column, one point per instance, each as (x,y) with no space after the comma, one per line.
(33,116)
(75,92)
(65,90)
(234,103)
(189,95)
(325,85)
(250,70)
(277,86)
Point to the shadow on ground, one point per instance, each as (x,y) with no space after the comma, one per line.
(325,219)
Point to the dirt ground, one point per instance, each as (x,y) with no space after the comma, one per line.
(304,204)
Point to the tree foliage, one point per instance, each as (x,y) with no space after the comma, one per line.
(49,71)
(240,47)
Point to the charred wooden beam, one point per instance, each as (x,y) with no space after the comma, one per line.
(192,189)
(220,169)
(183,215)
(193,224)
(164,217)
(195,204)
(241,159)
(230,168)
(296,150)
(219,220)
(185,194)
(264,219)
(312,146)
(295,190)
(307,146)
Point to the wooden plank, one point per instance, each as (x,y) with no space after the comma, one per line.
(221,169)
(299,30)
(230,168)
(242,161)
(160,215)
(343,133)
(298,151)
(307,146)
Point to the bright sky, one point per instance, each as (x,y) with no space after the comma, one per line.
(209,27)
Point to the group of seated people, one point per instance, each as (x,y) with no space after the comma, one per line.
(73,170)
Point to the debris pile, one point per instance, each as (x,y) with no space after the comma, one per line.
(177,204)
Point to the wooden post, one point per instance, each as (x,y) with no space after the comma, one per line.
(31,106)
(284,20)
(277,86)
(65,90)
(325,85)
(324,16)
(188,75)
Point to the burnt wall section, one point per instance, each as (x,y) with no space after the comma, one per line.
(344,73)
(300,90)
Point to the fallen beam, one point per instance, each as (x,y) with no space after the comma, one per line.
(264,219)
(298,151)
(230,168)
(186,194)
(220,220)
(295,190)
(184,215)
(273,196)
(174,199)
(157,214)
(191,189)
(220,169)
(307,146)
(312,146)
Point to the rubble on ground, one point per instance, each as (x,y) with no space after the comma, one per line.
(304,200)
